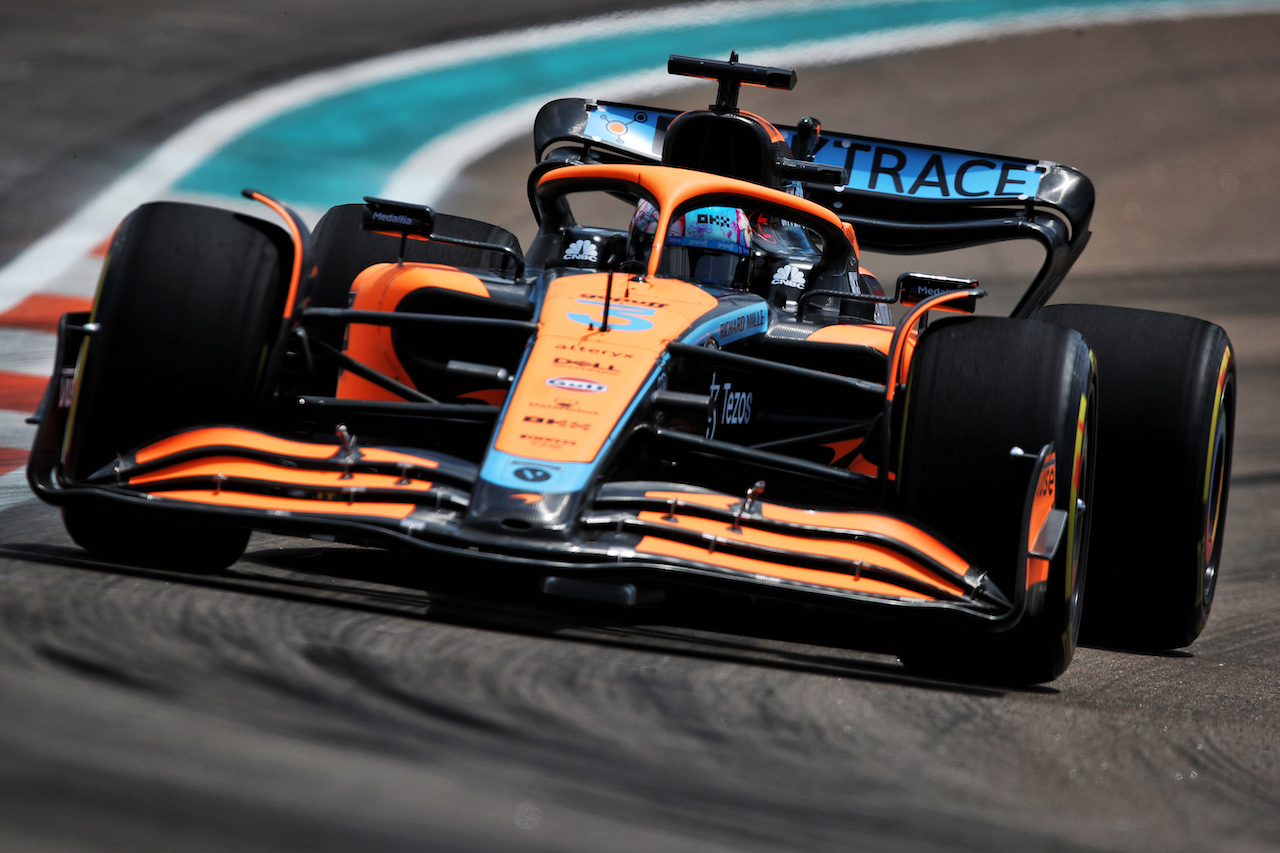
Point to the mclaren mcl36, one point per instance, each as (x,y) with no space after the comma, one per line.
(687,380)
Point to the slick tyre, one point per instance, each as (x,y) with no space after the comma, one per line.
(1168,389)
(189,303)
(977,388)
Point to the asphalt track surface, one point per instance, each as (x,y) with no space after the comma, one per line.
(330,699)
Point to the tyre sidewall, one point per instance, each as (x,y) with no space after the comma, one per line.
(1164,416)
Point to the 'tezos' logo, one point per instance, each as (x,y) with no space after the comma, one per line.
(570,383)
(728,407)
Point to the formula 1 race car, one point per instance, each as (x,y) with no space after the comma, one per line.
(687,381)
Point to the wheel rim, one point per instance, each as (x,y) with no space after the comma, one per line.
(1080,496)
(1215,491)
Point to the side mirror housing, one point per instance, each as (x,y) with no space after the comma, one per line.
(915,287)
(397,218)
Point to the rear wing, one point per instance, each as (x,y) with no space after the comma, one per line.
(901,198)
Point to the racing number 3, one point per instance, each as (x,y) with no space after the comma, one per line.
(622,318)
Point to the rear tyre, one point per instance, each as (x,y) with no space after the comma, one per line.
(977,388)
(1164,470)
(188,305)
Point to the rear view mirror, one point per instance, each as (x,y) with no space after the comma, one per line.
(915,287)
(397,218)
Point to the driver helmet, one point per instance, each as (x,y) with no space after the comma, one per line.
(707,245)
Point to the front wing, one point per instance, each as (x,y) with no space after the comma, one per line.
(631,534)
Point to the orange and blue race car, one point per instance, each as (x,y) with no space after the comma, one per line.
(687,381)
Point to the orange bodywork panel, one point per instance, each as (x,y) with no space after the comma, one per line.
(218,439)
(775,135)
(876,337)
(860,464)
(599,371)
(900,361)
(858,334)
(659,547)
(1046,493)
(310,477)
(274,503)
(233,437)
(296,237)
(380,288)
(249,469)
(488,396)
(841,547)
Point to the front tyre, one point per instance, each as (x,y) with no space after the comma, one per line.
(978,387)
(189,303)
